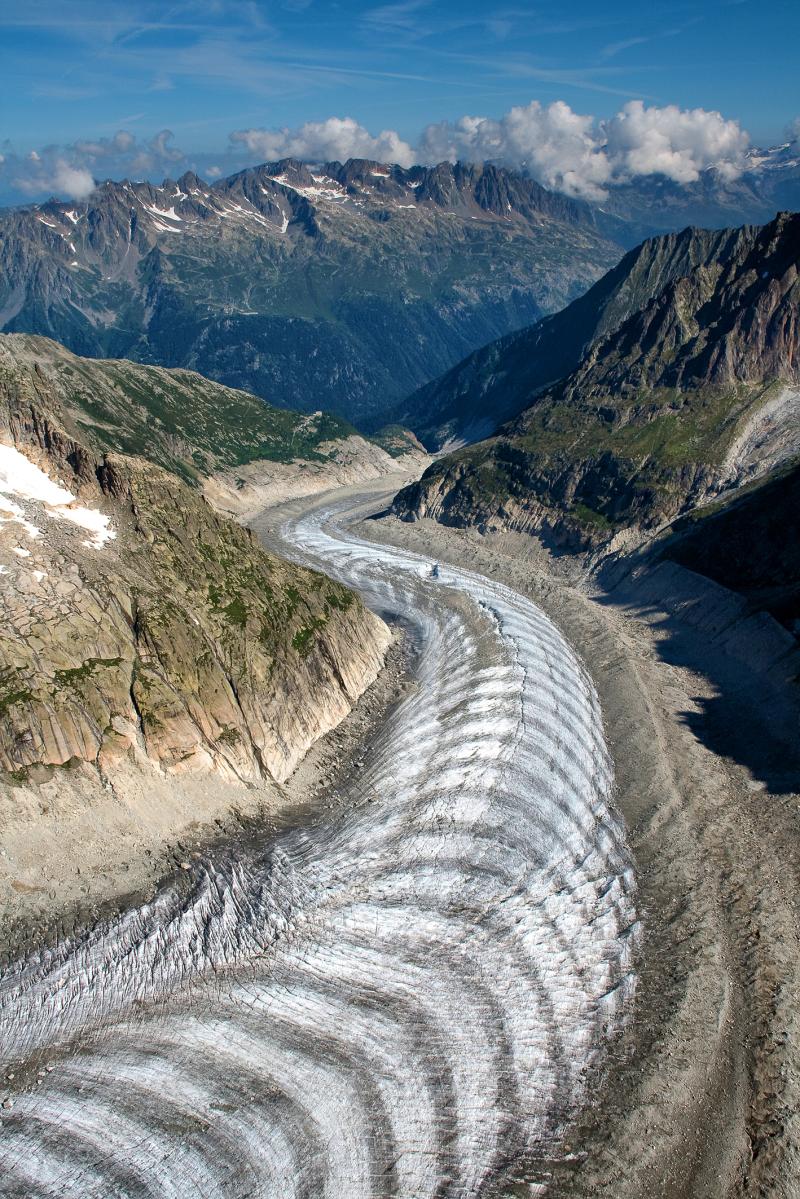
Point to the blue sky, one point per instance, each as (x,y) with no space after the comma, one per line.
(80,71)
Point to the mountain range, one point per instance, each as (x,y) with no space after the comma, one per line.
(340,288)
(769,182)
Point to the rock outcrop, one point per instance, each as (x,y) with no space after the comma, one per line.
(175,641)
(692,394)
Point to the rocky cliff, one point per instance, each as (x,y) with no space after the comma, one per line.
(140,625)
(501,380)
(693,393)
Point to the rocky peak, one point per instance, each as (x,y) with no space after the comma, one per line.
(500,380)
(692,394)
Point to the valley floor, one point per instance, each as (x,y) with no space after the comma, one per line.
(700,1095)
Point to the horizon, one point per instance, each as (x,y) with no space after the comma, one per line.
(160,180)
(583,103)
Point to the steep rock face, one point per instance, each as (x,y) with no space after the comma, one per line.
(695,391)
(342,287)
(500,380)
(174,639)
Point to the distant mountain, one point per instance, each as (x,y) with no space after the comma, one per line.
(341,288)
(696,392)
(652,204)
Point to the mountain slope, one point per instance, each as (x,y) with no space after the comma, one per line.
(195,427)
(343,288)
(749,542)
(139,626)
(501,379)
(695,392)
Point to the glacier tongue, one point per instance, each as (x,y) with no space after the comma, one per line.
(400,1001)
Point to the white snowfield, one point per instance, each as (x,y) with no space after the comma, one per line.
(398,1001)
(22,479)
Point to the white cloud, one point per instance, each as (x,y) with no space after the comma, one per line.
(678,143)
(336,138)
(59,177)
(70,171)
(74,182)
(583,157)
(568,151)
(558,146)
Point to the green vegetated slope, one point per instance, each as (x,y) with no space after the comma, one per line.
(650,422)
(181,640)
(177,418)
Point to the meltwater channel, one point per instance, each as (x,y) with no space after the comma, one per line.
(400,1000)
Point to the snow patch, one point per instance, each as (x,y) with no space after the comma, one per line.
(22,478)
(168,214)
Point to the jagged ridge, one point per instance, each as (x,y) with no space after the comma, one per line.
(658,416)
(342,287)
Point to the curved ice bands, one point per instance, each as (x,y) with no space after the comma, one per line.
(401,1002)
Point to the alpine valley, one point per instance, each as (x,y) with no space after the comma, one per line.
(399,659)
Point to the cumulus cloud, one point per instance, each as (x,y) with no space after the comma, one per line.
(337,138)
(582,156)
(58,177)
(558,146)
(74,182)
(70,171)
(569,151)
(678,143)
